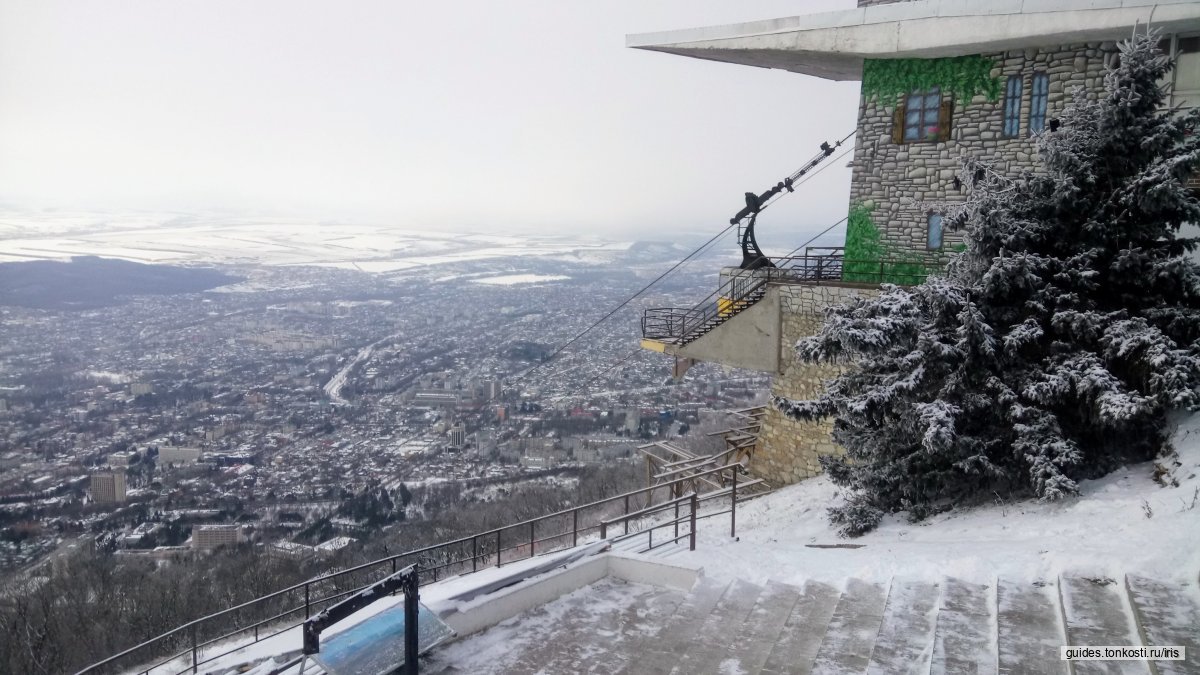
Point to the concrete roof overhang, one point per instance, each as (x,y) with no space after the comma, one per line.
(832,45)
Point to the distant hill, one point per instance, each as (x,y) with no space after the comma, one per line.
(86,282)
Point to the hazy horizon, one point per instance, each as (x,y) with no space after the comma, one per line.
(531,117)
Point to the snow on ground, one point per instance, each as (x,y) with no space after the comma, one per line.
(496,649)
(511,279)
(438,597)
(377,249)
(1122,523)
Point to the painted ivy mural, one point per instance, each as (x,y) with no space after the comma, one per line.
(963,76)
(869,260)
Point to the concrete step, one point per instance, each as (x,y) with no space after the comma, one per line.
(1097,613)
(852,630)
(710,644)
(905,640)
(1168,614)
(753,643)
(658,655)
(1029,629)
(800,637)
(963,643)
(591,630)
(603,643)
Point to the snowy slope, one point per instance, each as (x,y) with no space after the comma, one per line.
(1122,523)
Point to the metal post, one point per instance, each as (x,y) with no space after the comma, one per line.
(676,519)
(733,506)
(194,663)
(306,600)
(627,513)
(574,528)
(532,538)
(475,553)
(695,505)
(497,548)
(411,586)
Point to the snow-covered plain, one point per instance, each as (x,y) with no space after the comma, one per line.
(375,249)
(513,279)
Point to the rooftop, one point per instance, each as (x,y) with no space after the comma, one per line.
(832,45)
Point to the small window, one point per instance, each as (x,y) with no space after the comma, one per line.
(921,110)
(933,239)
(1186,91)
(1012,107)
(1037,103)
(923,116)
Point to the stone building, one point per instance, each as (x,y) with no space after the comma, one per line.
(941,80)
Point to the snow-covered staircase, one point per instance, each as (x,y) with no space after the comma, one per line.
(902,626)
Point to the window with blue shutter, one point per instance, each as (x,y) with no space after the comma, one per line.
(933,238)
(1012,107)
(1037,104)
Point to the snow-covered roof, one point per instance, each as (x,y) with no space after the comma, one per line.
(832,45)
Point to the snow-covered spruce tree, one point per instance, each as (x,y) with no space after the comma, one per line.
(1054,345)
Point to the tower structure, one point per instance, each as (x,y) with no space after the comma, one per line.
(941,79)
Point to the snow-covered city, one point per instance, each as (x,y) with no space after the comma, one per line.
(391,338)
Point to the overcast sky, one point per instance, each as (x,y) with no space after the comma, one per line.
(482,116)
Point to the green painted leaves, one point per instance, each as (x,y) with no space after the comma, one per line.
(962,76)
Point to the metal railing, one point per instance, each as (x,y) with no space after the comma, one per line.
(283,610)
(743,289)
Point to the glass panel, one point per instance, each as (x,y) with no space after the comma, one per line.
(921,115)
(1187,70)
(376,644)
(1040,84)
(1037,106)
(934,238)
(1012,106)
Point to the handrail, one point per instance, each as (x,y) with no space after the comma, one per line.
(470,563)
(736,292)
(646,511)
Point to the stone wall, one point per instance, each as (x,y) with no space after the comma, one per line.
(788,449)
(904,182)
